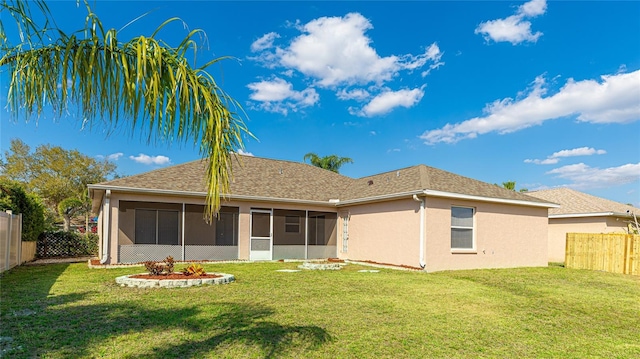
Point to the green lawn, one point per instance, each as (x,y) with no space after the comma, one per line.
(70,311)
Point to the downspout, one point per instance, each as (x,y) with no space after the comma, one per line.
(105,227)
(422,262)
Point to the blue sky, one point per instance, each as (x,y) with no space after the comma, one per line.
(546,94)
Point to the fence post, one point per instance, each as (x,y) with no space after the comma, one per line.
(8,255)
(19,259)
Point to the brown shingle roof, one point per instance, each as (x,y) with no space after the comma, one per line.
(575,202)
(252,176)
(268,178)
(421,177)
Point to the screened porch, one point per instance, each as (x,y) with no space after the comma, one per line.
(151,231)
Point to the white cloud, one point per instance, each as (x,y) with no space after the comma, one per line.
(533,8)
(555,157)
(355,94)
(387,101)
(115,156)
(612,100)
(278,95)
(244,153)
(514,29)
(585,177)
(265,42)
(335,50)
(335,53)
(582,151)
(112,157)
(151,160)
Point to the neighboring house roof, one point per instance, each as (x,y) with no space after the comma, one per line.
(268,179)
(578,204)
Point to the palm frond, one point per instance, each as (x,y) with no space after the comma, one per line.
(142,80)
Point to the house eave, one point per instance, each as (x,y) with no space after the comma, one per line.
(432,193)
(593,214)
(228,197)
(489,199)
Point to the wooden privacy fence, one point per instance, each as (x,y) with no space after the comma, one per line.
(611,252)
(10,240)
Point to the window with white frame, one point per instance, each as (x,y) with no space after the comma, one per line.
(462,228)
(292,224)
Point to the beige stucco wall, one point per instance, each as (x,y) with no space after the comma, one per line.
(388,232)
(384,232)
(559,227)
(505,236)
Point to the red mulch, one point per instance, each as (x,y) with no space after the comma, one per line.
(173,276)
(393,265)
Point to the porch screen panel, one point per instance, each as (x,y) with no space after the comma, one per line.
(145,232)
(322,228)
(260,223)
(322,235)
(168,227)
(227,228)
(258,244)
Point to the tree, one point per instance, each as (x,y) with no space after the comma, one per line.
(331,162)
(511,185)
(52,172)
(144,80)
(68,208)
(13,197)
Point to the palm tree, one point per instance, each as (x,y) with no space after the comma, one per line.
(143,80)
(511,185)
(331,163)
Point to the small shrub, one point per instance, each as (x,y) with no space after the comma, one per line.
(162,267)
(194,269)
(169,264)
(154,268)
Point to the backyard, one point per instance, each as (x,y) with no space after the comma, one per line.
(71,311)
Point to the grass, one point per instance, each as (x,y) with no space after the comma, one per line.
(70,311)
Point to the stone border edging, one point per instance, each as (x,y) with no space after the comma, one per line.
(126,281)
(321,266)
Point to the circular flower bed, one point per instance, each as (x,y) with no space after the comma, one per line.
(174,280)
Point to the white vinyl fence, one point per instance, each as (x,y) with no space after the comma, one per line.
(10,240)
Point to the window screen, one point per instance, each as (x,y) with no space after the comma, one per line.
(462,228)
(292,224)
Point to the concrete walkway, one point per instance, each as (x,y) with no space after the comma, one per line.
(58,260)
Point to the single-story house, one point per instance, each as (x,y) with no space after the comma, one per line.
(581,213)
(417,216)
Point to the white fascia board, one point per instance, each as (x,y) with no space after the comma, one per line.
(594,214)
(431,193)
(384,197)
(488,199)
(204,194)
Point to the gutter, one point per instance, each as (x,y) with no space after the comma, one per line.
(593,214)
(432,193)
(422,237)
(330,203)
(443,194)
(105,227)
